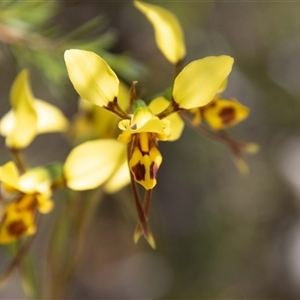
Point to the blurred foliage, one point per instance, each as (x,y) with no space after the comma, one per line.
(28,30)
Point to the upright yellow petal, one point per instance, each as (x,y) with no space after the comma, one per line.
(168,33)
(92,77)
(25,125)
(92,163)
(199,81)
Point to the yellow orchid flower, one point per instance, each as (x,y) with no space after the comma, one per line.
(29,116)
(222,113)
(96,82)
(195,90)
(29,192)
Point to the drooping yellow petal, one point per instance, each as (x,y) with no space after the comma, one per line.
(92,163)
(25,125)
(168,33)
(145,160)
(199,81)
(119,179)
(222,113)
(49,119)
(176,124)
(92,77)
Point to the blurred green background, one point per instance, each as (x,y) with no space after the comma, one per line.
(219,235)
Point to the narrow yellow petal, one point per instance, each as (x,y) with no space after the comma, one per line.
(92,77)
(168,33)
(25,125)
(199,81)
(92,163)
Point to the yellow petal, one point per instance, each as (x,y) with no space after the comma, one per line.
(9,176)
(36,180)
(49,119)
(145,160)
(25,125)
(199,81)
(168,33)
(223,86)
(18,220)
(176,124)
(45,204)
(222,113)
(92,163)
(92,77)
(119,179)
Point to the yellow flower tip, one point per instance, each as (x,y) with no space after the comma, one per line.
(92,77)
(24,128)
(151,241)
(137,234)
(252,148)
(168,32)
(242,166)
(198,83)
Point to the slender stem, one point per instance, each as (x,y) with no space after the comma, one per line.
(18,159)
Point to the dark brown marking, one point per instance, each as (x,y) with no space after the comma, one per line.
(153,170)
(139,171)
(227,115)
(16,228)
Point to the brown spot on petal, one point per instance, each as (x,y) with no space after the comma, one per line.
(153,170)
(227,115)
(139,171)
(16,228)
